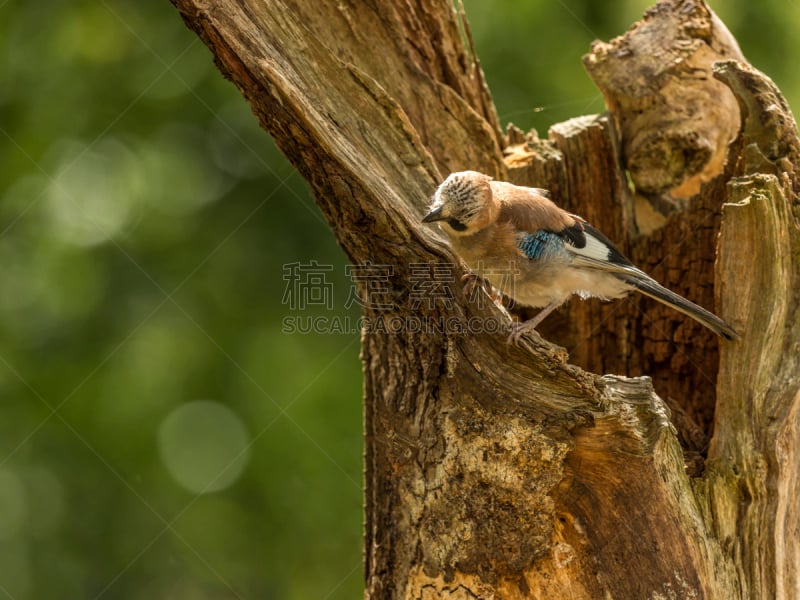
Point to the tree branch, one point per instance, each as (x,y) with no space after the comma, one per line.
(508,472)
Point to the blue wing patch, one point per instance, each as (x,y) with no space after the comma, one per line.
(539,244)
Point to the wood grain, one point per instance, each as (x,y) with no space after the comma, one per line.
(494,471)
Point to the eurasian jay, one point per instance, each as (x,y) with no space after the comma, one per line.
(500,228)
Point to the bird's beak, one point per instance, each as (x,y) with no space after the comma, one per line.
(434,215)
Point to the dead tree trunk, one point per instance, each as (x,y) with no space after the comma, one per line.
(499,472)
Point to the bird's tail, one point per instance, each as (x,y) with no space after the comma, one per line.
(650,287)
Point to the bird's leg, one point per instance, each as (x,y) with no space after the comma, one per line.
(471,281)
(518,329)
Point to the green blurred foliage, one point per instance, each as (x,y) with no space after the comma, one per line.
(161,435)
(531,52)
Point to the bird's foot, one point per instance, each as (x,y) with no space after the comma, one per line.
(518,330)
(472,282)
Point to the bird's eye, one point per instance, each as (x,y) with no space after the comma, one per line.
(456,224)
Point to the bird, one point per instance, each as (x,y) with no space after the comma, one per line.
(498,228)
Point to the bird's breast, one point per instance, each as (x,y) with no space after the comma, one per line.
(536,283)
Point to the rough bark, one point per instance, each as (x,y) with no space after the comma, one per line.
(675,121)
(502,472)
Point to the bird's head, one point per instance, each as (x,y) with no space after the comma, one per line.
(463,204)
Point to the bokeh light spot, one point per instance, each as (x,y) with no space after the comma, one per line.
(13,504)
(46,501)
(95,191)
(181,176)
(204,446)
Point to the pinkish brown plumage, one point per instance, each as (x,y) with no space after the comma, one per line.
(548,254)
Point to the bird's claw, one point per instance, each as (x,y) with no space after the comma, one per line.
(517,331)
(472,281)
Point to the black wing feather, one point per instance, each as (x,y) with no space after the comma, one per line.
(614,255)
